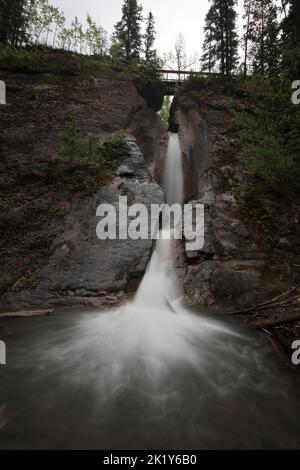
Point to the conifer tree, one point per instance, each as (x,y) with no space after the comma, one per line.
(262,33)
(13,21)
(209,56)
(221,40)
(128,30)
(149,38)
(291,39)
(248,4)
(231,36)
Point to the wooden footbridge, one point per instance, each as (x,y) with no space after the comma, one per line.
(174,78)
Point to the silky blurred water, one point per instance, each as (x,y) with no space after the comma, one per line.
(148,375)
(126,380)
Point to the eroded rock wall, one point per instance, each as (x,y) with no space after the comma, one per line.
(49,251)
(230,272)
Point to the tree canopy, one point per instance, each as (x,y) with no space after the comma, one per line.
(128,30)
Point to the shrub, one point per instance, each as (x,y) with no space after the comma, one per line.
(268,131)
(86,160)
(262,153)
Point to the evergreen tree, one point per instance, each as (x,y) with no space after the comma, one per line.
(291,39)
(291,25)
(231,36)
(263,37)
(248,5)
(272,45)
(221,39)
(149,38)
(209,56)
(14,16)
(128,30)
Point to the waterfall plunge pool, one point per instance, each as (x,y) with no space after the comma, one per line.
(123,380)
(148,375)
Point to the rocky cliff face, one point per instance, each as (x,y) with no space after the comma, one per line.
(232,270)
(49,250)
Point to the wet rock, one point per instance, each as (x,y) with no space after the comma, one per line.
(230,271)
(94,266)
(227,197)
(153,92)
(49,249)
(124,171)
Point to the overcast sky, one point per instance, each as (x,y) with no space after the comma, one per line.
(171,16)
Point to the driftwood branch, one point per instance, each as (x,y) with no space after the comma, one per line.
(269,303)
(279,322)
(27,313)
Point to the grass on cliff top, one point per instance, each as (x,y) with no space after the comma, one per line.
(46,60)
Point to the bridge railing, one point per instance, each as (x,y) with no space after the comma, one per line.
(182,75)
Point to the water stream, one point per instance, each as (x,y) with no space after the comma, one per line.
(147,375)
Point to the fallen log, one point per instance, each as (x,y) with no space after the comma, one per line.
(279,322)
(27,313)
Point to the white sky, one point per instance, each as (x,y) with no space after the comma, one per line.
(171,16)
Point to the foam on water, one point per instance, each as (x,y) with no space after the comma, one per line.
(148,375)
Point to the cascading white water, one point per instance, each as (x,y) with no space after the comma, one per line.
(150,374)
(173,181)
(160,275)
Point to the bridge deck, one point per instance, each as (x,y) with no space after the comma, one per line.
(173,78)
(182,74)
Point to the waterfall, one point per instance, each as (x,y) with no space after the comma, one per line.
(173,181)
(154,332)
(150,374)
(160,276)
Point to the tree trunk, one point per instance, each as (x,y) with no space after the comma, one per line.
(246,39)
(222,38)
(210,58)
(227,42)
(54,37)
(262,40)
(284,8)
